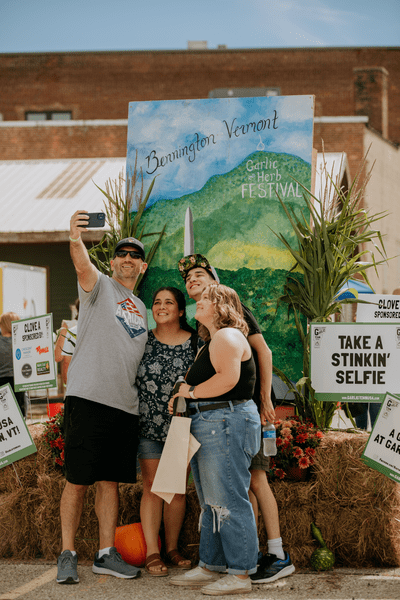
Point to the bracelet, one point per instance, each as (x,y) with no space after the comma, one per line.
(72,239)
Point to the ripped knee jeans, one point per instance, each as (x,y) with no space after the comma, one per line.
(229,438)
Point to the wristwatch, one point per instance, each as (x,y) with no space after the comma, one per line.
(193,397)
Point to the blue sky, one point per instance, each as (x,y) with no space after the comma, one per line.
(73,25)
(165,127)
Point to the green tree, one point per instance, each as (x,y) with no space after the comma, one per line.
(331,249)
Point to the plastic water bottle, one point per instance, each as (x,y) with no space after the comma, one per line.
(269,439)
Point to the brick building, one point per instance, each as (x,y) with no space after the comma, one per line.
(81,99)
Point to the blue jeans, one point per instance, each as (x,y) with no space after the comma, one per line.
(229,438)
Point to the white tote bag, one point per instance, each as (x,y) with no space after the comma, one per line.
(179,447)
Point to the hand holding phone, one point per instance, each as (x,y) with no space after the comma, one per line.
(97,219)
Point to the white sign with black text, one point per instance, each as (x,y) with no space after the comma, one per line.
(33,353)
(15,439)
(382,451)
(354,362)
(385,308)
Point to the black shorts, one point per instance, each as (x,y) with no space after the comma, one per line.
(100,442)
(260,462)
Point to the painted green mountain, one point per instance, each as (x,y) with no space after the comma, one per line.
(233,214)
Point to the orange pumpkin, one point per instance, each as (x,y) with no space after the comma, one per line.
(130,543)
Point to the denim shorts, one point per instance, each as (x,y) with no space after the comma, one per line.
(149,448)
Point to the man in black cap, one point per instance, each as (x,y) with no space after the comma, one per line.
(198,273)
(101,418)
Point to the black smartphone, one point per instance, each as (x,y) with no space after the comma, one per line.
(95,219)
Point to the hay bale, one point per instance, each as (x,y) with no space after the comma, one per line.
(296,505)
(338,467)
(358,508)
(130,496)
(189,538)
(24,472)
(19,498)
(360,536)
(19,535)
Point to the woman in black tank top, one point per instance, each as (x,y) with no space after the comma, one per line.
(225,420)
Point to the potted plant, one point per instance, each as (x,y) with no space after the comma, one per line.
(296,441)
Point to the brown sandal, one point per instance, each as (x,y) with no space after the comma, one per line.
(154,560)
(175,558)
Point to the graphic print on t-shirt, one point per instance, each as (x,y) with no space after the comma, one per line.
(130,317)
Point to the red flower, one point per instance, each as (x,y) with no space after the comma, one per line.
(301,438)
(304,462)
(319,434)
(310,451)
(280,473)
(59,443)
(54,439)
(298,452)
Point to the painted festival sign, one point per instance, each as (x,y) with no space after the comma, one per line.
(382,451)
(220,165)
(354,362)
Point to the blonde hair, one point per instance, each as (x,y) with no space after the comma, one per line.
(5,321)
(228,310)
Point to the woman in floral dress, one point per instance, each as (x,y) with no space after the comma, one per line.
(170,351)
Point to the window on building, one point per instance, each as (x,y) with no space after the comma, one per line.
(48,115)
(249,92)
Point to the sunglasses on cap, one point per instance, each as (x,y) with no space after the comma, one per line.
(123,253)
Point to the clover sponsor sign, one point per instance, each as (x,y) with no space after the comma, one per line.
(33,353)
(15,439)
(382,451)
(381,308)
(354,362)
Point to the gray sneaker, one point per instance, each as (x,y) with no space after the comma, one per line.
(112,564)
(67,568)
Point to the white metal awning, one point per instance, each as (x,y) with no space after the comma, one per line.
(41,195)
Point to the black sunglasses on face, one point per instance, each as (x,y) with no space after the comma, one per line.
(123,253)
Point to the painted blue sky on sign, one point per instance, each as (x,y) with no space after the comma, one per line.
(211,136)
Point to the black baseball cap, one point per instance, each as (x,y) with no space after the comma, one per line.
(134,243)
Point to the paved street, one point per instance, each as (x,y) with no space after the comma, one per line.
(35,580)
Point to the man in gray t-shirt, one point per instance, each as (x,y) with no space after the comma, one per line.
(101,406)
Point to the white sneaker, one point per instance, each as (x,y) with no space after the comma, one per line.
(196,577)
(230,584)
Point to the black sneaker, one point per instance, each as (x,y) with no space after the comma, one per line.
(272,568)
(113,564)
(67,568)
